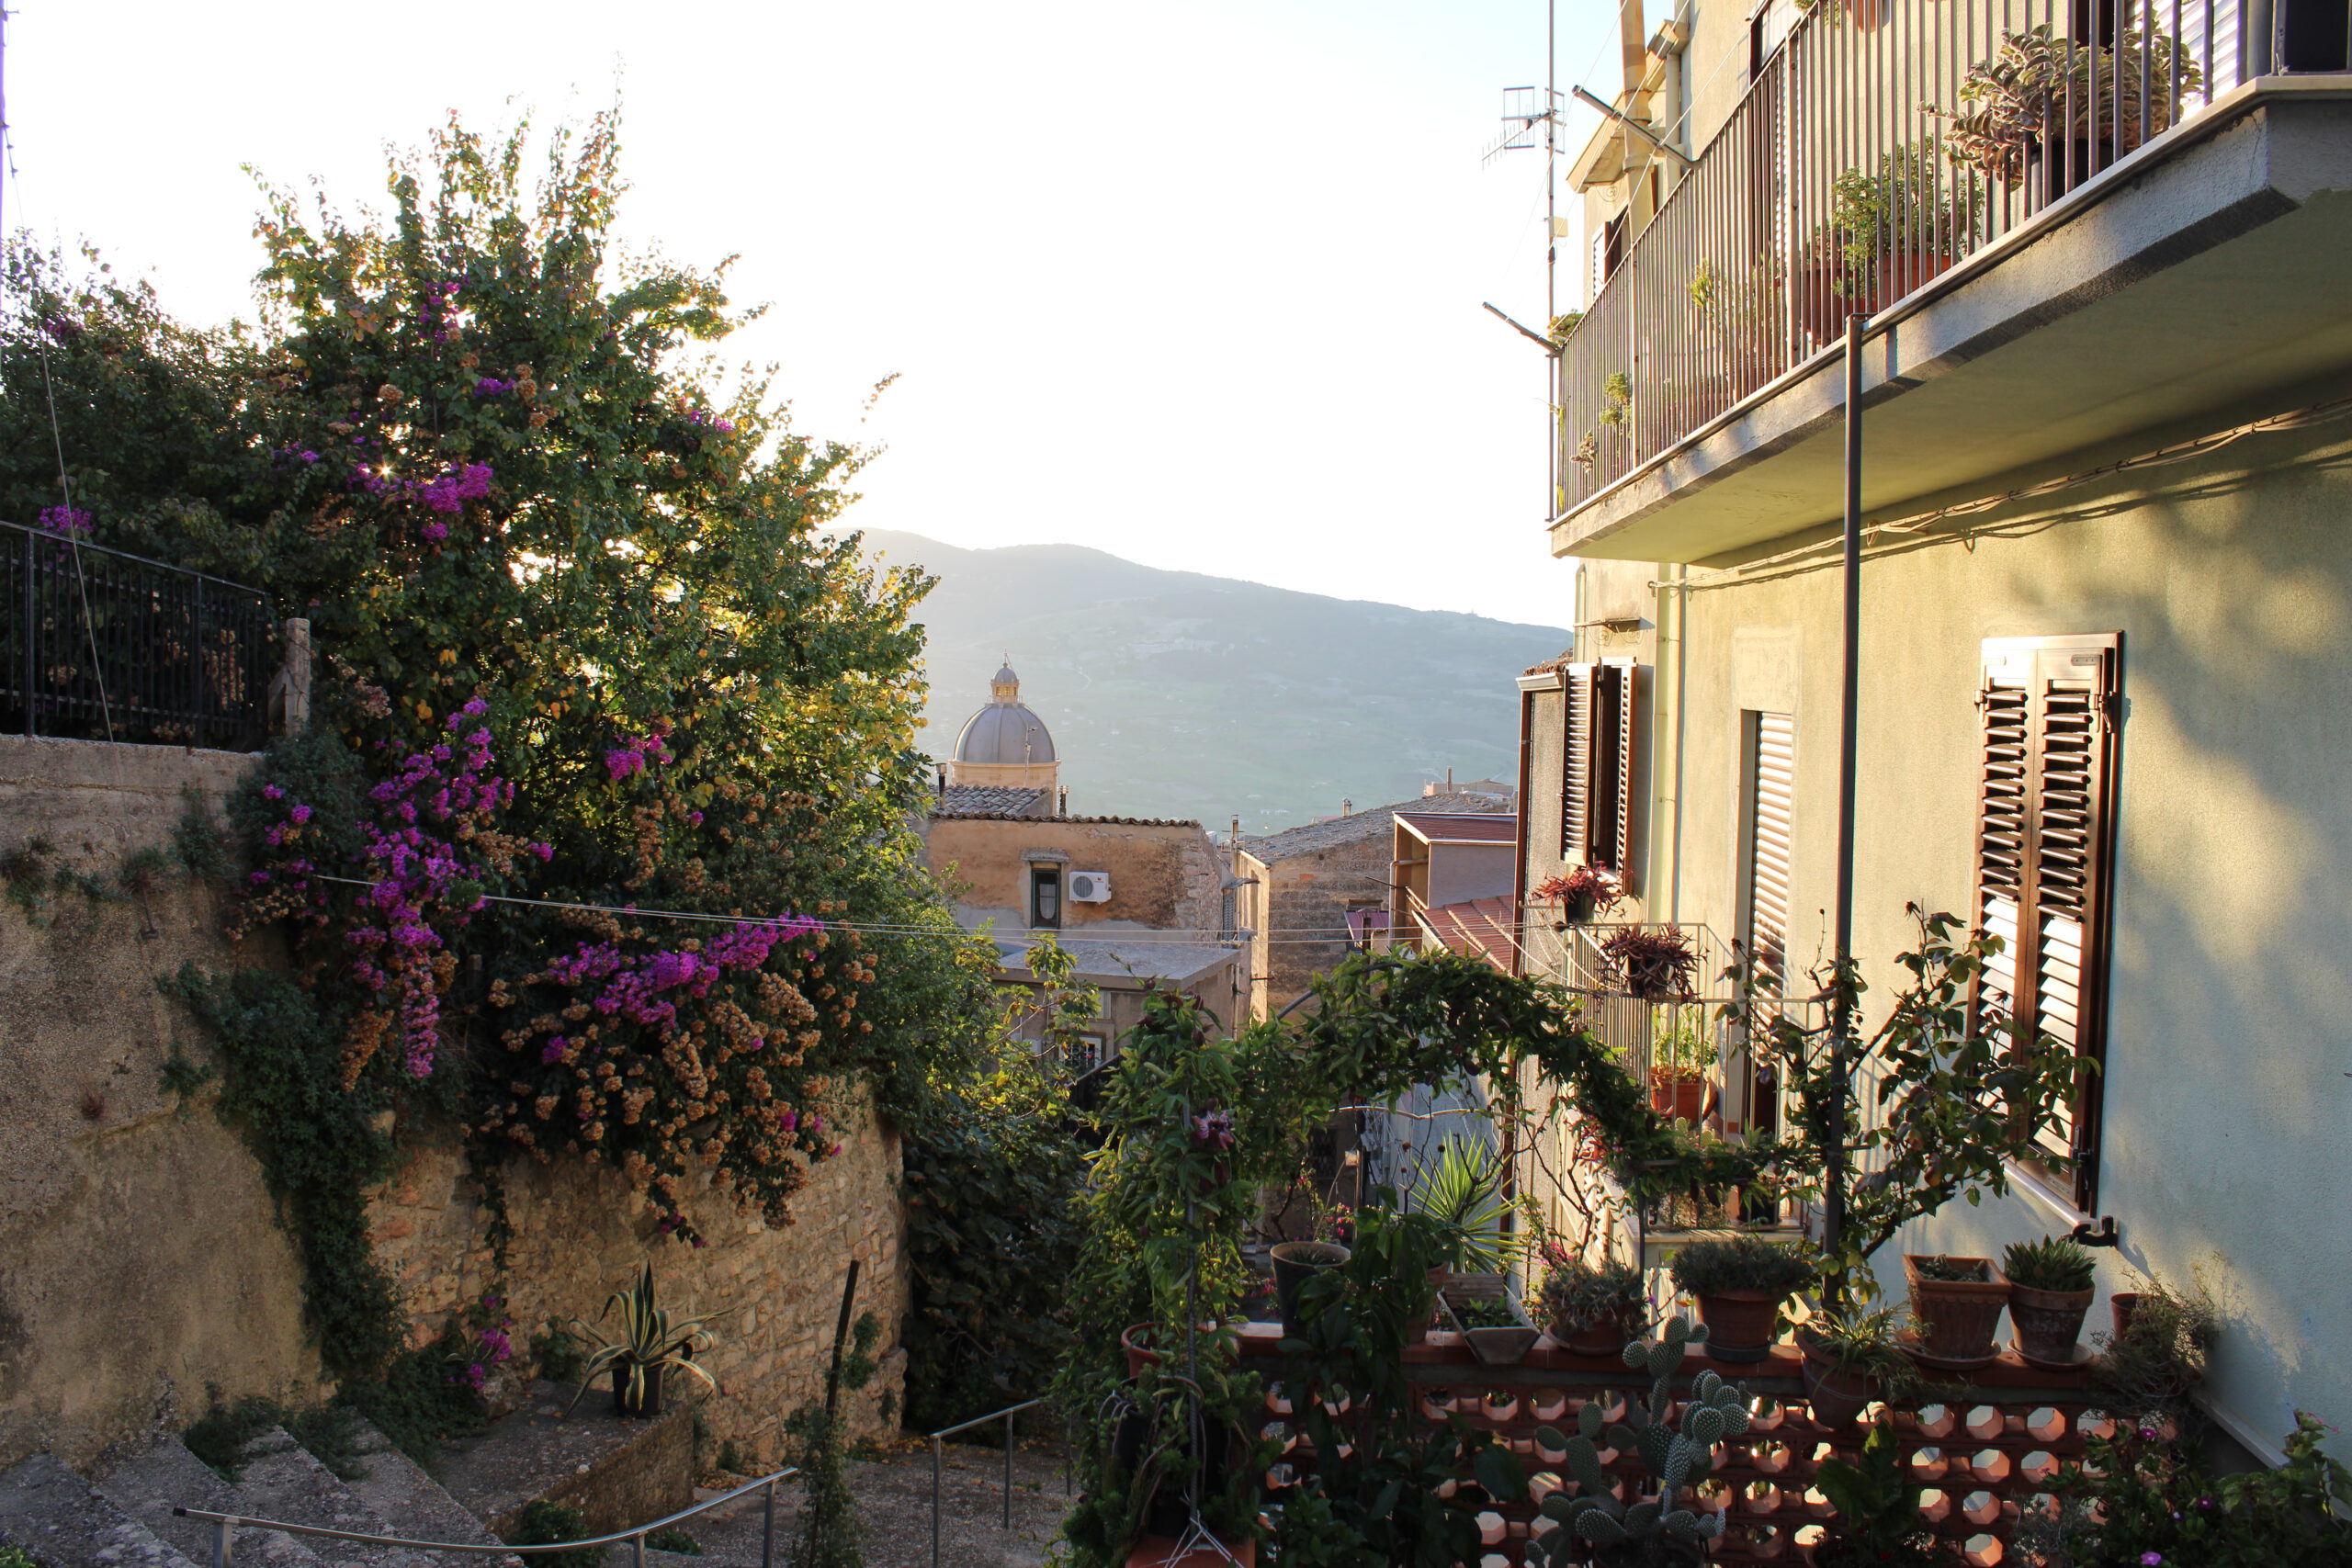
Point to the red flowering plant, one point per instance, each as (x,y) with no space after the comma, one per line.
(1583,893)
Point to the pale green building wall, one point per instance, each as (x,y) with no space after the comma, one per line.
(2229,1081)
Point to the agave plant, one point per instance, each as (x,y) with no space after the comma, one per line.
(1649,1528)
(649,1342)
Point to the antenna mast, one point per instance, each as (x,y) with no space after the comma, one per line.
(1525,109)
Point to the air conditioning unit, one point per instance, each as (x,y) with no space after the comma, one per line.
(1089,887)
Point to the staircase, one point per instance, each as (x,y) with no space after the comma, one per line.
(121,1515)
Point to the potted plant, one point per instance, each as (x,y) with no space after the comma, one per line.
(1957,1304)
(1655,963)
(1851,1358)
(1295,1262)
(1892,227)
(1592,1310)
(1460,1187)
(2051,1286)
(1492,1325)
(1680,1059)
(2013,112)
(650,1346)
(1739,1283)
(1582,894)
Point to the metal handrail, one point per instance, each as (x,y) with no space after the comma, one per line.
(225,1525)
(938,1448)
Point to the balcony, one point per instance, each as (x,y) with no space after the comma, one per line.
(2065,228)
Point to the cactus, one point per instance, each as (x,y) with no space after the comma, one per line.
(1678,1458)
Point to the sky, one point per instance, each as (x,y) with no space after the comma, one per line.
(1198,284)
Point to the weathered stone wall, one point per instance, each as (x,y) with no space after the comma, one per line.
(140,1260)
(1164,875)
(580,1233)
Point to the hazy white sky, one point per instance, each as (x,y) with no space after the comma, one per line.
(1195,283)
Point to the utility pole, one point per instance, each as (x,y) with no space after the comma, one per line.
(1841,1007)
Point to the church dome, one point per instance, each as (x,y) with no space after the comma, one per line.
(1005,733)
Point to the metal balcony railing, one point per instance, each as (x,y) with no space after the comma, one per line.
(1882,142)
(99,644)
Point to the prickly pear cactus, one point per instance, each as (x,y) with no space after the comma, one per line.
(1678,1458)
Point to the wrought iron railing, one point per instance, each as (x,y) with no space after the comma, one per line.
(1884,142)
(96,644)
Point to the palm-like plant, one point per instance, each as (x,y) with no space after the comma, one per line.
(1461,1189)
(649,1341)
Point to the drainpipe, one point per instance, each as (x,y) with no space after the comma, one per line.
(1841,1011)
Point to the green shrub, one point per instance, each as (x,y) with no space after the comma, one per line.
(543,1523)
(2053,1263)
(1577,1294)
(1740,1263)
(674,1539)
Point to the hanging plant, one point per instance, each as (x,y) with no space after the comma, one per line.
(1584,893)
(1655,963)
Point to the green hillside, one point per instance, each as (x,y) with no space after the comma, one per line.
(1174,693)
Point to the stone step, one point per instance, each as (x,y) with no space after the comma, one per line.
(396,1489)
(150,1483)
(62,1521)
(282,1481)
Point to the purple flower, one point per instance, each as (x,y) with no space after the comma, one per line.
(301,814)
(271,791)
(1214,1129)
(552,1051)
(310,456)
(491,387)
(435,532)
(2150,1558)
(67,520)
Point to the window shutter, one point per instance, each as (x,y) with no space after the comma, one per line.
(1620,807)
(2045,852)
(1575,771)
(1771,832)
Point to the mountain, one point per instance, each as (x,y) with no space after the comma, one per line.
(1174,694)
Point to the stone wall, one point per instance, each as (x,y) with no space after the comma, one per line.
(580,1233)
(140,1260)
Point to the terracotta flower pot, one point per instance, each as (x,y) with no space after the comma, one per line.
(1838,1397)
(1682,1100)
(1605,1337)
(2123,1304)
(1740,1324)
(1958,1318)
(2048,1323)
(1139,1358)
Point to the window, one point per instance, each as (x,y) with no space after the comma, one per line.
(1767,838)
(1046,897)
(1596,769)
(2045,849)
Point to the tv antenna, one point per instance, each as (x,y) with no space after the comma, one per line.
(1531,118)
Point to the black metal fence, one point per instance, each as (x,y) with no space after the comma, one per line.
(104,646)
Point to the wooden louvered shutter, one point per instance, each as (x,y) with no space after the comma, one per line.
(1621,780)
(1576,768)
(1771,786)
(2045,850)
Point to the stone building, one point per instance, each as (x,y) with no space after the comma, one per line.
(1134,900)
(1309,893)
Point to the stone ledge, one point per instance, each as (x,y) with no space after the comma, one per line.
(619,1472)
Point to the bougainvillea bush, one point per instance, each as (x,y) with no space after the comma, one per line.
(584,642)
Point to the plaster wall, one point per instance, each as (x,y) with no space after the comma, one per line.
(2228,1088)
(140,1260)
(1164,875)
(1461,872)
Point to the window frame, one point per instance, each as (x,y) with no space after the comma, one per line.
(2013,832)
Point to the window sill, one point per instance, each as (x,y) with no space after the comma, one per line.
(2039,1189)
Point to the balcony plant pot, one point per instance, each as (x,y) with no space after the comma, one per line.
(1740,1324)
(1132,1339)
(648,1401)
(1958,1318)
(2048,1323)
(1838,1396)
(1295,1262)
(2121,1305)
(1602,1337)
(1677,1098)
(1501,1345)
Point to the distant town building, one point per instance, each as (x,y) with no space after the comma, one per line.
(1450,882)
(1312,894)
(1134,900)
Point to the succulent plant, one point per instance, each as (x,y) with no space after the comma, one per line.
(1677,1457)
